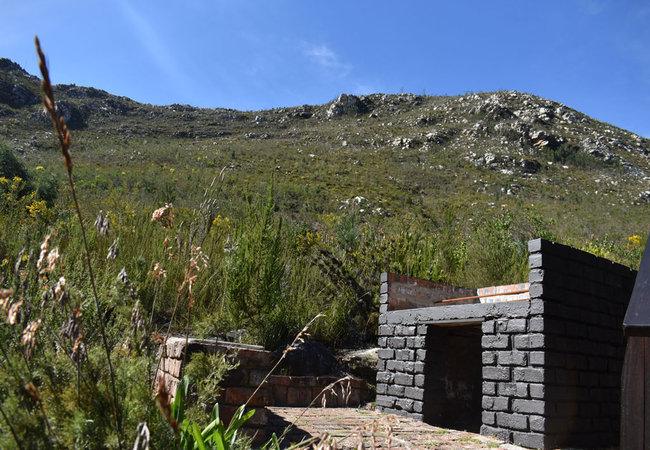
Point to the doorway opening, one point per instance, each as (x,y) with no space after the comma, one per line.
(454,376)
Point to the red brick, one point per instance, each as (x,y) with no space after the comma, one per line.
(258,435)
(175,367)
(254,359)
(259,419)
(256,376)
(331,400)
(239,396)
(325,381)
(302,382)
(236,377)
(355,398)
(279,380)
(279,395)
(298,396)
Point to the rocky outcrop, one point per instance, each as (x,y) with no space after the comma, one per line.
(505,163)
(14,91)
(73,116)
(347,104)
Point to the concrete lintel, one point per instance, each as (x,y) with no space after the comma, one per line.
(455,322)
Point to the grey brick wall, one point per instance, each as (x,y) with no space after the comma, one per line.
(550,365)
(584,299)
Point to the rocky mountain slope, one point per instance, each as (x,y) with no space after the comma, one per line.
(391,153)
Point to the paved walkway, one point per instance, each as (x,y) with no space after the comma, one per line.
(348,426)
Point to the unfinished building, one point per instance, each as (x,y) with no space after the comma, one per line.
(537,364)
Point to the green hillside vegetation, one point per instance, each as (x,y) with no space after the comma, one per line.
(265,219)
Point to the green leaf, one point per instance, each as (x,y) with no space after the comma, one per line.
(237,421)
(272,444)
(217,437)
(178,406)
(197,437)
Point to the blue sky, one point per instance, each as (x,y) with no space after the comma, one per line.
(592,55)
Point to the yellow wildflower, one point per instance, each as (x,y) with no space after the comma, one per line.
(37,207)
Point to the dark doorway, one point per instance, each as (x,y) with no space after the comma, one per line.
(453,376)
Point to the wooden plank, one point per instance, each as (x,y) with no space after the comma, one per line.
(633,395)
(646,392)
(637,317)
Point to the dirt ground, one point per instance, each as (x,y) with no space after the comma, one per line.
(348,426)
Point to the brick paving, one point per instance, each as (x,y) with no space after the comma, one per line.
(347,426)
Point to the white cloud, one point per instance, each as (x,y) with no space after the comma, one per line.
(325,57)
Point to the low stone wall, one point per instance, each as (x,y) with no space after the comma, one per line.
(255,364)
(301,391)
(236,388)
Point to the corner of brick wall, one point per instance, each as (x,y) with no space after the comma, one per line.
(513,378)
(236,387)
(240,383)
(583,299)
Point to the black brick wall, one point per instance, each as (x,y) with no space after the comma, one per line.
(585,299)
(550,366)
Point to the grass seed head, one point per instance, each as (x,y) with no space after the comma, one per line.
(123,277)
(164,216)
(12,313)
(29,337)
(5,298)
(114,250)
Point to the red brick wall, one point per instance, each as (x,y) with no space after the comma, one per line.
(404,292)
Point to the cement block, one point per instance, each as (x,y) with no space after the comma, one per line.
(528,375)
(414,393)
(500,433)
(385,401)
(511,326)
(496,341)
(489,358)
(512,421)
(404,404)
(489,418)
(405,355)
(529,341)
(404,379)
(512,390)
(395,390)
(530,406)
(496,373)
(489,388)
(495,403)
(512,358)
(531,440)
